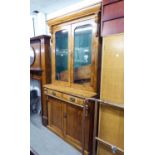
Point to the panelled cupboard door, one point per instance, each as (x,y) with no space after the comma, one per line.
(55,115)
(112,79)
(73,124)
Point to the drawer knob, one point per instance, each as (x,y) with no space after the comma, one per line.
(53,93)
(72,99)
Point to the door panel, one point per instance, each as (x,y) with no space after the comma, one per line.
(61,54)
(74,123)
(84,49)
(55,114)
(82,54)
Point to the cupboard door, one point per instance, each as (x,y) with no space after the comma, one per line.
(55,115)
(112,79)
(73,124)
(61,51)
(84,52)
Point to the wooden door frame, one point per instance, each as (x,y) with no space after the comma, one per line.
(95,39)
(56,29)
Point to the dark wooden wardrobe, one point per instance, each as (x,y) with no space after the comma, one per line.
(40,62)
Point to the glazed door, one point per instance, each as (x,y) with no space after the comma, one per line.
(55,115)
(111,118)
(84,49)
(73,124)
(61,55)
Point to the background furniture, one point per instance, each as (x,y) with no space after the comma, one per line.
(110,137)
(112,17)
(109,134)
(40,68)
(75,74)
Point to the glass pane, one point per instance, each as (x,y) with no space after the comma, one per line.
(82,54)
(61,54)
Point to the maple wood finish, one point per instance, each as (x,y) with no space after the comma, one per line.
(112,21)
(68,114)
(112,85)
(40,69)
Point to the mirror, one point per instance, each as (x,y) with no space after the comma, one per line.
(32,55)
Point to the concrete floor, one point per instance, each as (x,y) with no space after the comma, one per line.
(44,142)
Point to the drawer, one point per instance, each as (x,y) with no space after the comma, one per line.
(73,99)
(54,93)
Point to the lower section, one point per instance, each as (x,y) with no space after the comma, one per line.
(66,120)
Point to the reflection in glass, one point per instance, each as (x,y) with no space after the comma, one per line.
(61,54)
(82,54)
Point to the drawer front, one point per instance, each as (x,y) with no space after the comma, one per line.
(73,99)
(54,93)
